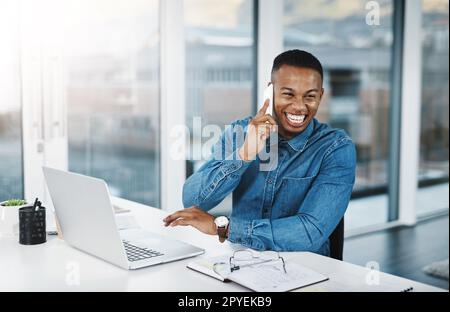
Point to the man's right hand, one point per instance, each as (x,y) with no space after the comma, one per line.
(259,129)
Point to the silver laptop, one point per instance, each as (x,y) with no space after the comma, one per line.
(87,221)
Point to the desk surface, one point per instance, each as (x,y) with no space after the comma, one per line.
(54,266)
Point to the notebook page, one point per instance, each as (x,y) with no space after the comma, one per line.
(266,277)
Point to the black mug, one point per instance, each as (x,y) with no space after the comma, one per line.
(32,228)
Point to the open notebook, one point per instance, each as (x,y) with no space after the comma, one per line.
(261,277)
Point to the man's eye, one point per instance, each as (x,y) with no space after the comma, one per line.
(288,94)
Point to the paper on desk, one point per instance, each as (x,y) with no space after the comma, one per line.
(267,277)
(118,210)
(355,283)
(206,266)
(126,221)
(259,277)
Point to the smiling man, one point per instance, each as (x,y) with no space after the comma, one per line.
(296,205)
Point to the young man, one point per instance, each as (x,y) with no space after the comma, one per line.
(296,205)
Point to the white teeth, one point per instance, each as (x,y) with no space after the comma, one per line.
(295,118)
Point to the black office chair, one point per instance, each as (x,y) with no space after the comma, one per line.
(337,241)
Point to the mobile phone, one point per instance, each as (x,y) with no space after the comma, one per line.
(268,95)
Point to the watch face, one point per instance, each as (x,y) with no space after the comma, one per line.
(221,221)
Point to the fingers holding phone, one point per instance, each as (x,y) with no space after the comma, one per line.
(268,96)
(259,129)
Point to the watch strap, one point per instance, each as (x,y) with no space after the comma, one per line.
(222,232)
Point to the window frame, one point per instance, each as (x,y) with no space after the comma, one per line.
(172,104)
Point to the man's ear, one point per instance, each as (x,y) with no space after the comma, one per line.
(321,95)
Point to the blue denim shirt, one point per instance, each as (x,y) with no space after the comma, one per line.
(294,207)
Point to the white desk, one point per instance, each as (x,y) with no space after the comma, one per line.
(53,266)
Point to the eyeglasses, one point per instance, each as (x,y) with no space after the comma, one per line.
(246,258)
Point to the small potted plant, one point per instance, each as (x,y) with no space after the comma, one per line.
(9,216)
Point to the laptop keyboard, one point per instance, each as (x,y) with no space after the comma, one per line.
(135,253)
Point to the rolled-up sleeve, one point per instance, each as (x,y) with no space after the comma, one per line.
(218,177)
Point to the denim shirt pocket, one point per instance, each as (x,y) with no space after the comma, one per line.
(292,193)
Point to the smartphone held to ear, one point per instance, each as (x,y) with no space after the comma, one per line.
(268,95)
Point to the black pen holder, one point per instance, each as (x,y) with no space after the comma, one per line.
(32,226)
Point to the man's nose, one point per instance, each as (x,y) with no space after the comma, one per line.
(299,105)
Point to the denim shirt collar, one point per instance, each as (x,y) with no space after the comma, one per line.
(298,142)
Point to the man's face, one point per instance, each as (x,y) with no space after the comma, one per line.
(298,92)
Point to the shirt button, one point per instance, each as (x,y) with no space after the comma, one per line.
(269,181)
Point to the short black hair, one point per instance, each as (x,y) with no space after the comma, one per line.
(298,58)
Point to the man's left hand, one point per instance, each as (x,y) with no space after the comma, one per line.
(193,216)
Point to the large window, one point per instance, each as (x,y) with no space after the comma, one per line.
(111,88)
(112,62)
(434,160)
(219,63)
(11,176)
(356,53)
